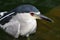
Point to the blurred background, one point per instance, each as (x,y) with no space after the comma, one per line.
(45,30)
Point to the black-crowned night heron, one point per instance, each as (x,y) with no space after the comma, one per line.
(21,20)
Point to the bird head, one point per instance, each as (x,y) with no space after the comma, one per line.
(33,11)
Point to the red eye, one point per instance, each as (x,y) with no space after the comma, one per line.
(32,14)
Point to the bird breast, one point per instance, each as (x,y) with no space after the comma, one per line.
(27,23)
(27,27)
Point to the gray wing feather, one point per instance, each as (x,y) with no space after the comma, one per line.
(13,28)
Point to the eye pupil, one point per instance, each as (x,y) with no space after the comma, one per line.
(32,14)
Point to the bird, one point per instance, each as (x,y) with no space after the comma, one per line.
(21,21)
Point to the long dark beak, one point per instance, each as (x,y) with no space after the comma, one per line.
(45,18)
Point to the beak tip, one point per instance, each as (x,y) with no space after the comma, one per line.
(51,20)
(46,18)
